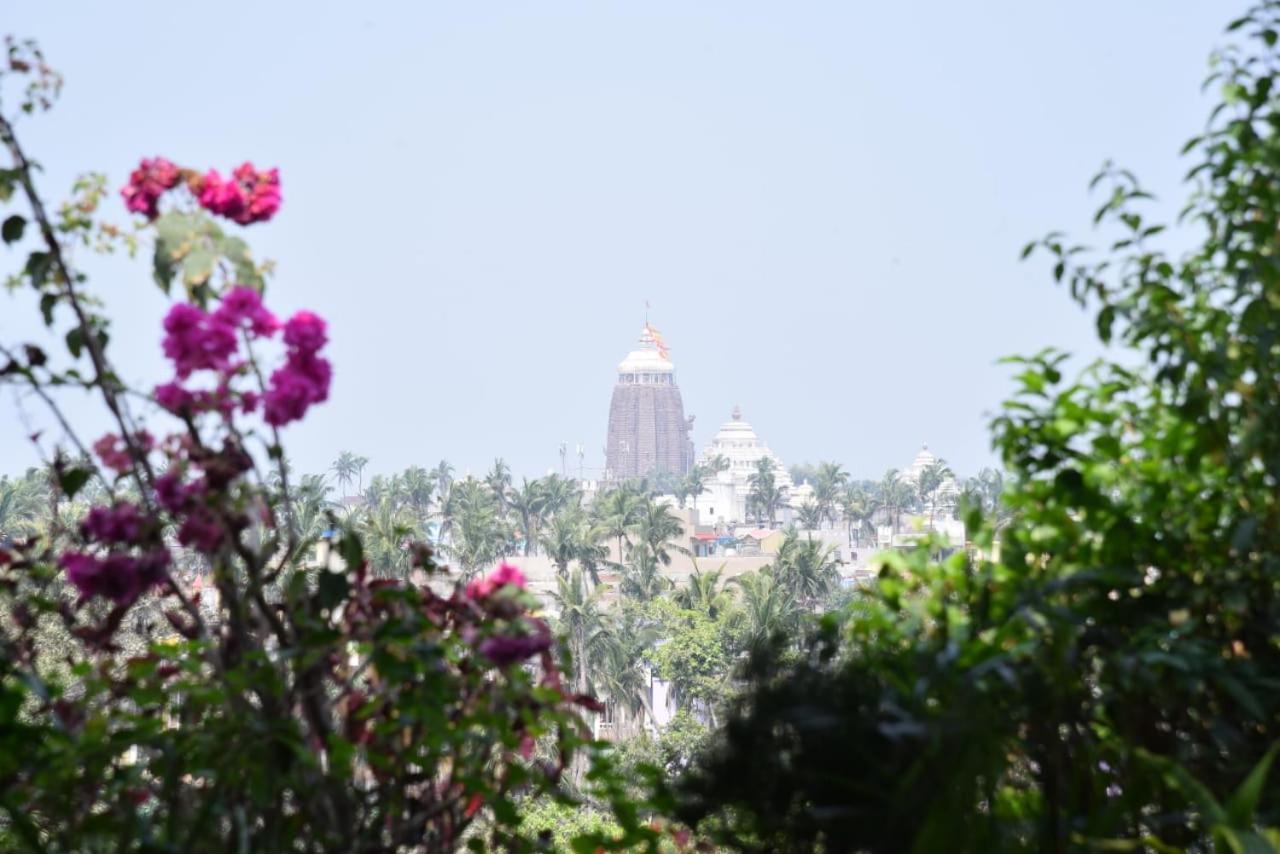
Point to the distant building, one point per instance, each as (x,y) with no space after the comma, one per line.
(725,498)
(648,431)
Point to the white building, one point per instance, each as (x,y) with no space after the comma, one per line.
(724,502)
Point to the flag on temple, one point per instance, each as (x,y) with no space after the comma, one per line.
(658,340)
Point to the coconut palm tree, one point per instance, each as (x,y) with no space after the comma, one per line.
(704,593)
(621,672)
(580,620)
(656,529)
(567,538)
(810,516)
(642,578)
(477,534)
(718,463)
(765,608)
(312,508)
(417,486)
(615,513)
(21,504)
(858,510)
(807,569)
(695,482)
(894,495)
(345,469)
(499,480)
(829,481)
(387,530)
(929,482)
(528,503)
(766,496)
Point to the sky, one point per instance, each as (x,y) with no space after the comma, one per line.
(823,203)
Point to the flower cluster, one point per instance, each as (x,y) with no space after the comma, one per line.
(130,558)
(304,378)
(148,183)
(522,636)
(115,453)
(198,340)
(250,195)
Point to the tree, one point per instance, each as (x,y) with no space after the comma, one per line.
(387,531)
(346,468)
(20,505)
(767,609)
(705,593)
(828,483)
(893,495)
(615,513)
(656,530)
(931,479)
(528,503)
(858,511)
(766,497)
(810,516)
(1099,673)
(806,568)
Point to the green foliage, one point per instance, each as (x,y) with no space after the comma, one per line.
(1100,673)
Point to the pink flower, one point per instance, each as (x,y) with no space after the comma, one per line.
(118,577)
(507,649)
(505,574)
(249,196)
(114,453)
(202,531)
(196,340)
(243,305)
(174,398)
(224,198)
(305,332)
(120,523)
(147,184)
(170,492)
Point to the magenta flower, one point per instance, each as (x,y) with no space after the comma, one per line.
(113,452)
(243,305)
(174,398)
(202,531)
(147,184)
(306,332)
(121,523)
(248,196)
(505,574)
(508,649)
(118,577)
(196,340)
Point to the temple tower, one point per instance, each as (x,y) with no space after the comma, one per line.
(648,431)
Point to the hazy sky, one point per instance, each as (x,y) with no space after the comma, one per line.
(824,202)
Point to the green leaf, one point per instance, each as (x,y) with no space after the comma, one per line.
(47,302)
(332,589)
(197,267)
(1244,802)
(13,228)
(75,341)
(72,480)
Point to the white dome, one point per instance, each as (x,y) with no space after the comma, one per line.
(647,358)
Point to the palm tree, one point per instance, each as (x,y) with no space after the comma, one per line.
(642,580)
(766,496)
(615,512)
(21,503)
(499,480)
(621,672)
(387,531)
(766,608)
(930,480)
(828,483)
(718,463)
(806,568)
(704,593)
(695,482)
(528,503)
(579,619)
(568,538)
(312,508)
(416,488)
(810,516)
(858,510)
(477,534)
(656,528)
(346,468)
(894,495)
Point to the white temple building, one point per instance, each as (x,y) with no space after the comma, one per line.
(724,502)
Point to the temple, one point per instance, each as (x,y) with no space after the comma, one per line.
(724,501)
(648,431)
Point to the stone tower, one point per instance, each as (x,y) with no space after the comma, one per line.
(648,432)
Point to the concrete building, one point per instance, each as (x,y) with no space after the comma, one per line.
(648,431)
